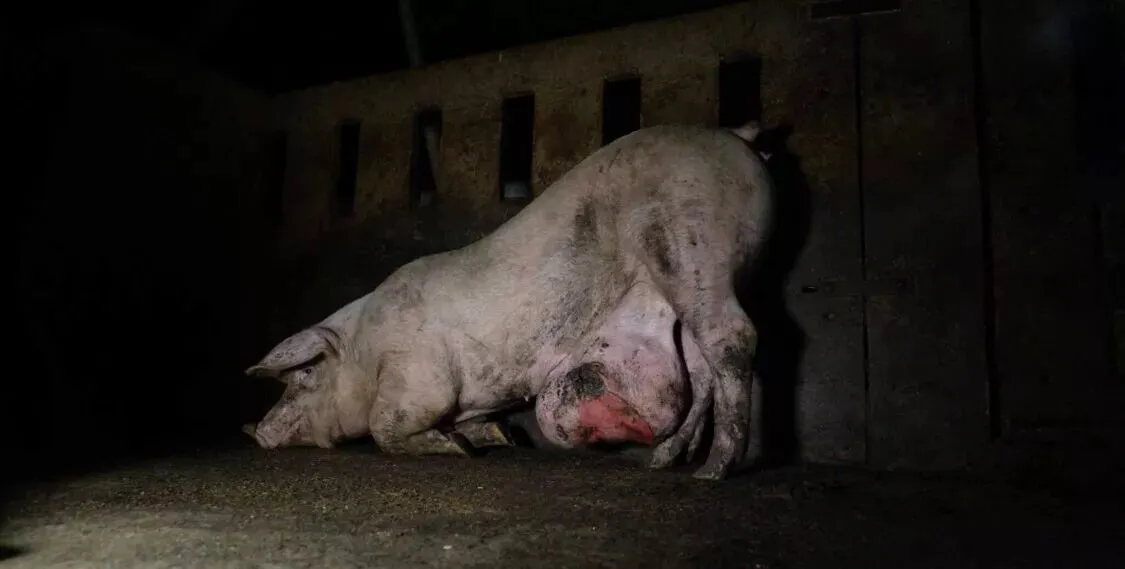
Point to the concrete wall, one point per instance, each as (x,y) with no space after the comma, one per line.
(131,226)
(1113,222)
(1046,173)
(1100,81)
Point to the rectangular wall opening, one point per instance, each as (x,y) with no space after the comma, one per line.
(424,156)
(347,161)
(273,175)
(621,107)
(516,147)
(740,90)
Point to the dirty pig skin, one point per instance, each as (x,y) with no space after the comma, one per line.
(571,302)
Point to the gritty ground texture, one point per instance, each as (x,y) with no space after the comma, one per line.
(246,507)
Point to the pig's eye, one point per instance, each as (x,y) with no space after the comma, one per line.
(304,377)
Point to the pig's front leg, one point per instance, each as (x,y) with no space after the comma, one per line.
(410,403)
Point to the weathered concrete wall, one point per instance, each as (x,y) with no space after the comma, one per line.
(1113,227)
(1053,366)
(927,370)
(130,246)
(1100,80)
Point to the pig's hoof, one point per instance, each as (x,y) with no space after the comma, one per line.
(696,441)
(712,470)
(709,474)
(501,436)
(460,445)
(428,442)
(485,434)
(666,452)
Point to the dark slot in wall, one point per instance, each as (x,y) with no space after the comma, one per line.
(516,147)
(273,179)
(740,96)
(423,178)
(621,107)
(980,122)
(347,161)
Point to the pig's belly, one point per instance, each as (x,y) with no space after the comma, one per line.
(484,394)
(477,413)
(480,400)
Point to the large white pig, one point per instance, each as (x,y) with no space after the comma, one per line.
(571,302)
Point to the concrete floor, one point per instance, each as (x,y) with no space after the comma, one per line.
(244,507)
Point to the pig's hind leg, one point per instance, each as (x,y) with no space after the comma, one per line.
(727,342)
(690,433)
(700,289)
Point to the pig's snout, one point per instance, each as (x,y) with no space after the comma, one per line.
(252,430)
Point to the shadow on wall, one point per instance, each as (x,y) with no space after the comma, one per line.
(781,340)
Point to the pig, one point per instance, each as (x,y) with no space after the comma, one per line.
(664,218)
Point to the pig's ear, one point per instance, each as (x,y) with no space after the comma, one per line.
(302,347)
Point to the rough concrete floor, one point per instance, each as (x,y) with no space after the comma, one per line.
(245,507)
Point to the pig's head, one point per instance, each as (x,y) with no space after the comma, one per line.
(586,406)
(327,396)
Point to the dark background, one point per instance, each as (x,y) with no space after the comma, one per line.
(276,48)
